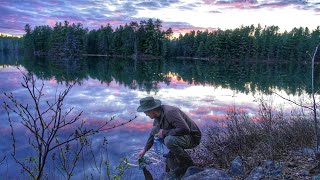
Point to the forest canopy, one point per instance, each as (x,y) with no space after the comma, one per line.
(150,38)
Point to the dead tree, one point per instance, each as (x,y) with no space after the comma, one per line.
(314,105)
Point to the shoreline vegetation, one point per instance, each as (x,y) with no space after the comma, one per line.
(148,39)
(273,136)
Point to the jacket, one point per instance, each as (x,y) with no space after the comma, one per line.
(174,122)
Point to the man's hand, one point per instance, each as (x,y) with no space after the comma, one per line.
(160,134)
(141,153)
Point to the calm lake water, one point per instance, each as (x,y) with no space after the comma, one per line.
(107,88)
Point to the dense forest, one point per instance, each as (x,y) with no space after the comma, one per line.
(149,38)
(10,44)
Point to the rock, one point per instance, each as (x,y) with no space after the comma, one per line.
(192,170)
(162,176)
(304,173)
(314,170)
(236,168)
(316,177)
(256,174)
(269,164)
(168,176)
(209,174)
(292,165)
(307,152)
(273,170)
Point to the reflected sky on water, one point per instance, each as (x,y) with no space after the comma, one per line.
(207,105)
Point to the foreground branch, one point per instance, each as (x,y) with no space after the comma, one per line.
(45,132)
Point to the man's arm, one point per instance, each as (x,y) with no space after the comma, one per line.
(147,146)
(149,143)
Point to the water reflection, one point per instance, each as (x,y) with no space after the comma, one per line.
(146,75)
(113,87)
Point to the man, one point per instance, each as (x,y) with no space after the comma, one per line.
(177,129)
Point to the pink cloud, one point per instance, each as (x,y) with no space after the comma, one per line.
(139,127)
(51,22)
(214,117)
(53,81)
(4,130)
(54,2)
(236,4)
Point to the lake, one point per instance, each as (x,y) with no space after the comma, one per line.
(112,87)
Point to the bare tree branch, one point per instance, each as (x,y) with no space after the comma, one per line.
(1,161)
(294,102)
(45,131)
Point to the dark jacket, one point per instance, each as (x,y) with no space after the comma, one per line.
(174,122)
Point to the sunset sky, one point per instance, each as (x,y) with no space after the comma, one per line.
(181,15)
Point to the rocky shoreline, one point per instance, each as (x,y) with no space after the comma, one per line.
(299,164)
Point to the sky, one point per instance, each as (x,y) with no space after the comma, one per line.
(181,15)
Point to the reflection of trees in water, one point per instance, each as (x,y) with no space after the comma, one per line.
(63,69)
(7,59)
(146,75)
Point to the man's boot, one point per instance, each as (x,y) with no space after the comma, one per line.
(184,164)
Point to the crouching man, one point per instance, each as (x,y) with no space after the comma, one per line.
(175,127)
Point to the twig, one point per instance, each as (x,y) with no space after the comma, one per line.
(2,160)
(293,101)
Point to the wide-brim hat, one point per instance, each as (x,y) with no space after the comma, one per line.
(148,103)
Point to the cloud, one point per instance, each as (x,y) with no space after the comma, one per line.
(189,6)
(214,12)
(93,14)
(182,27)
(155,4)
(149,5)
(236,3)
(262,4)
(282,3)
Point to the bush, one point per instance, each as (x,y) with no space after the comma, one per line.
(269,135)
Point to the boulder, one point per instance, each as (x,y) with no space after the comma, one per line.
(209,174)
(316,177)
(308,152)
(256,174)
(237,168)
(192,170)
(273,170)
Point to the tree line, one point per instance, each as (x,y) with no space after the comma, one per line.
(146,37)
(149,38)
(249,42)
(10,43)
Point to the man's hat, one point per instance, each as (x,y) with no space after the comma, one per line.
(148,103)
